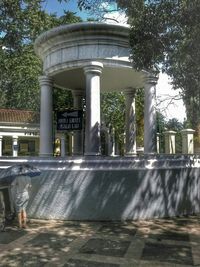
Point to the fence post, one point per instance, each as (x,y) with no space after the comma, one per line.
(170,147)
(187,141)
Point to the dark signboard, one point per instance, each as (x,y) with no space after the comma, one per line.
(69,120)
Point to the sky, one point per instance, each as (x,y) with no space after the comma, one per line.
(53,6)
(164,90)
(168,100)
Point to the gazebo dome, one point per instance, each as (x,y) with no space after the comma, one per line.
(65,50)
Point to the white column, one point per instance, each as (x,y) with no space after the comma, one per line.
(71,143)
(1,139)
(15,145)
(107,141)
(92,127)
(150,115)
(187,141)
(78,135)
(158,142)
(111,142)
(170,142)
(46,117)
(62,145)
(130,145)
(113,145)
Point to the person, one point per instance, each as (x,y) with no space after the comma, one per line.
(20,192)
(2,212)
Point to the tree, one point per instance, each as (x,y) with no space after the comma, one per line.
(160,129)
(21,22)
(99,8)
(165,35)
(19,78)
(113,115)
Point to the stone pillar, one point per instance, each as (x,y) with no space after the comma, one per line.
(78,135)
(130,134)
(70,143)
(187,141)
(46,116)
(108,142)
(150,115)
(106,133)
(15,145)
(1,139)
(158,142)
(170,147)
(111,150)
(92,127)
(62,146)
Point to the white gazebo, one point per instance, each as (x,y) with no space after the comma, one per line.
(89,58)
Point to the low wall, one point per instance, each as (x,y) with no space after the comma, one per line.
(113,188)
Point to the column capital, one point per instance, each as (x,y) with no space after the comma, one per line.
(130,91)
(15,137)
(45,80)
(93,67)
(151,79)
(169,133)
(187,131)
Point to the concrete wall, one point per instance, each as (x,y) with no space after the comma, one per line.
(117,189)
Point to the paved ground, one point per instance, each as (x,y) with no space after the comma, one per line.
(161,242)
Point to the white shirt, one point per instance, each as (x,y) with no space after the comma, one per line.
(21,184)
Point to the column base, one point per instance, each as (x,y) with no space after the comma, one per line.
(77,154)
(150,153)
(130,154)
(92,154)
(45,155)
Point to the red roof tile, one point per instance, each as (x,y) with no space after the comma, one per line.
(19,116)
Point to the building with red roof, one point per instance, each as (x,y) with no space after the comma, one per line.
(19,132)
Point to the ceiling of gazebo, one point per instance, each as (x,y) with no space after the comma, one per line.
(112,79)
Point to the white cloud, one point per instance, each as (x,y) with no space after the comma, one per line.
(114,16)
(169,101)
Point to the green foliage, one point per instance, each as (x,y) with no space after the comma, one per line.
(98,8)
(170,125)
(113,115)
(161,127)
(62,99)
(21,22)
(174,125)
(113,112)
(139,110)
(165,35)
(99,5)
(19,78)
